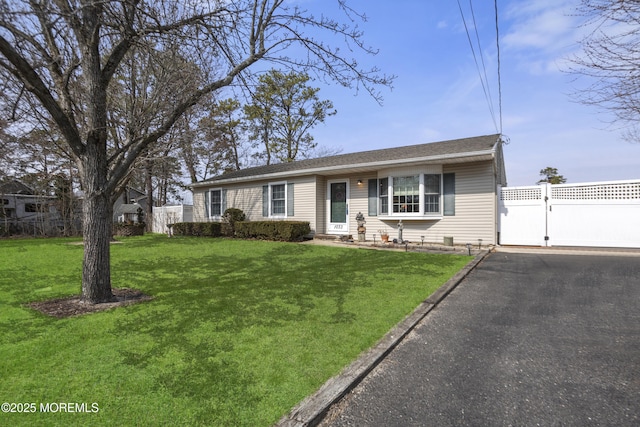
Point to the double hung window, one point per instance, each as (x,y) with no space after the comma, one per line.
(431,193)
(216,203)
(277,200)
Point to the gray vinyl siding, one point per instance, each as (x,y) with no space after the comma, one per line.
(198,205)
(475,210)
(248,198)
(359,202)
(305,197)
(475,216)
(475,205)
(320,205)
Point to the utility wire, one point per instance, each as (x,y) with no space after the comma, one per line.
(473,51)
(484,68)
(495,2)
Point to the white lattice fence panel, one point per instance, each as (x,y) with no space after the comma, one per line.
(595,214)
(521,194)
(606,191)
(521,215)
(601,214)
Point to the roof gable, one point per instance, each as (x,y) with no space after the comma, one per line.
(15,187)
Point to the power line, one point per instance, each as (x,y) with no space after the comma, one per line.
(495,2)
(484,68)
(484,80)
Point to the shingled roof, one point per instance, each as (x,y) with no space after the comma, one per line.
(458,148)
(15,187)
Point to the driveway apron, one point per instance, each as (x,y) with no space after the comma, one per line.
(524,340)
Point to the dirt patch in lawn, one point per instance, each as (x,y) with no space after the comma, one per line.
(73,306)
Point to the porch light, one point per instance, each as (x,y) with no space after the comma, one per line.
(359,182)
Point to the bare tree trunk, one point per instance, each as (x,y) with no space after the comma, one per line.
(148,183)
(96,228)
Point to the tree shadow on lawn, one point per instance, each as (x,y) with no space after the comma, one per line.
(268,289)
(226,295)
(202,301)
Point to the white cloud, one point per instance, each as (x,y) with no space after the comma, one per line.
(541,33)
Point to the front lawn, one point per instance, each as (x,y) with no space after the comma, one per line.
(237,334)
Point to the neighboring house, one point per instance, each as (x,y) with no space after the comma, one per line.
(125,209)
(430,191)
(24,212)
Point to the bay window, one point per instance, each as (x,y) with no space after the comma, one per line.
(414,196)
(406,194)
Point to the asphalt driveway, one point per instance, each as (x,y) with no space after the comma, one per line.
(524,340)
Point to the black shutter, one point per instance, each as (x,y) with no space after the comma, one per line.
(449,193)
(290,211)
(373,197)
(265,200)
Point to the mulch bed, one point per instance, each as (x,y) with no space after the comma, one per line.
(73,306)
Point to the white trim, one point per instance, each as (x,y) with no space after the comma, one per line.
(421,214)
(337,228)
(211,216)
(271,214)
(410,218)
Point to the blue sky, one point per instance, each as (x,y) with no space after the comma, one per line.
(438,94)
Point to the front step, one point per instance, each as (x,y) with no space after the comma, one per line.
(342,237)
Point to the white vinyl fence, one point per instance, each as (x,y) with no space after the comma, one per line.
(599,214)
(165,215)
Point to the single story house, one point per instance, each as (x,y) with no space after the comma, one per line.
(427,191)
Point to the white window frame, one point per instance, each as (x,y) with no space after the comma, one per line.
(421,214)
(211,215)
(271,213)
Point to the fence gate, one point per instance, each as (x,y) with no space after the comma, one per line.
(164,215)
(601,214)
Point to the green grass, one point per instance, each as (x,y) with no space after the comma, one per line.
(237,334)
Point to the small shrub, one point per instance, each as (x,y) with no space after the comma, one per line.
(229,219)
(182,229)
(203,229)
(288,231)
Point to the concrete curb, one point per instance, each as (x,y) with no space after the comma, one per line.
(563,250)
(312,410)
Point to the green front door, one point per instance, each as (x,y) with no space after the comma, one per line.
(338,207)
